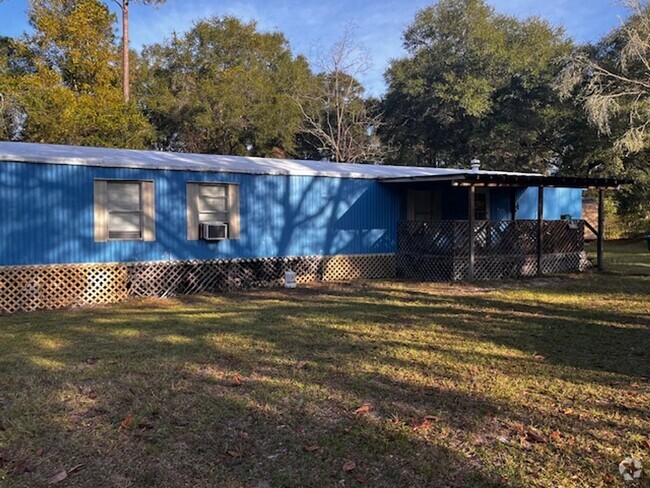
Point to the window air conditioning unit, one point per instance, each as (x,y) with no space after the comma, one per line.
(213,231)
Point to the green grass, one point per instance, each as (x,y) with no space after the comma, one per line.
(462,381)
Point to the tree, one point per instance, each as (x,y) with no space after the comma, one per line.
(337,121)
(223,87)
(611,82)
(61,84)
(124,9)
(475,83)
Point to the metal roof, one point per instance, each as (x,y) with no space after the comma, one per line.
(28,152)
(495,179)
(129,158)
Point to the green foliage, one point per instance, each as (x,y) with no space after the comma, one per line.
(608,82)
(475,83)
(61,85)
(223,87)
(76,38)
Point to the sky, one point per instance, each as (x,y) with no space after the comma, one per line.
(311,25)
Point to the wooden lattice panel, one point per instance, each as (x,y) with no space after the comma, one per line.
(505,238)
(563,237)
(439,251)
(25,288)
(342,268)
(501,267)
(565,263)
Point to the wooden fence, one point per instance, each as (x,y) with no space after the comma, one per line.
(439,250)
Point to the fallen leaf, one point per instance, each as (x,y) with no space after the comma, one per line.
(21,468)
(568,411)
(235,380)
(128,422)
(425,423)
(235,454)
(519,428)
(349,466)
(75,468)
(145,425)
(88,392)
(555,435)
(608,478)
(359,478)
(365,408)
(534,435)
(311,448)
(58,477)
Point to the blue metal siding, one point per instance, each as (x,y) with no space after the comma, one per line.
(557,201)
(46,215)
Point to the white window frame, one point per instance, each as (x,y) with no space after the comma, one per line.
(102,211)
(202,213)
(193,205)
(140,210)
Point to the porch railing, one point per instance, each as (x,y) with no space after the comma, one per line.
(440,250)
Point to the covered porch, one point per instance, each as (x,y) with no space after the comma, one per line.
(485,226)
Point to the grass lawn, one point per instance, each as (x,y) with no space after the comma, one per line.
(526,383)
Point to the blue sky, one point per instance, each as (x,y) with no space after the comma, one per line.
(309,24)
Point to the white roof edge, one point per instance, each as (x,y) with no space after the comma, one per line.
(23,152)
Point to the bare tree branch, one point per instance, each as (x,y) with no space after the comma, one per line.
(335,112)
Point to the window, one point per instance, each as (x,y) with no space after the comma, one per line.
(212,202)
(424,205)
(124,210)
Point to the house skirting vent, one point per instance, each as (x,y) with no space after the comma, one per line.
(26,288)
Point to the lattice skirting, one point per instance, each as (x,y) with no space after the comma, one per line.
(447,268)
(24,288)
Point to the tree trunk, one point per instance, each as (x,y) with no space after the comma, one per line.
(125,49)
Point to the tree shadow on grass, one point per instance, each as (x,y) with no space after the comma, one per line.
(229,390)
(74,387)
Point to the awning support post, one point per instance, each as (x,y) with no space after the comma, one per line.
(471,204)
(601,229)
(540,229)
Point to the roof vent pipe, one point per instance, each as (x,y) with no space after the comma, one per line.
(475,165)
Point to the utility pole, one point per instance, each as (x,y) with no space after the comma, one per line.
(125,49)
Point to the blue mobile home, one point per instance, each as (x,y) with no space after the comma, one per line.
(91,210)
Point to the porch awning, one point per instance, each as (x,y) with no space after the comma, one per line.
(496,179)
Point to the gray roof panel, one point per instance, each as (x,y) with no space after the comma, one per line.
(130,158)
